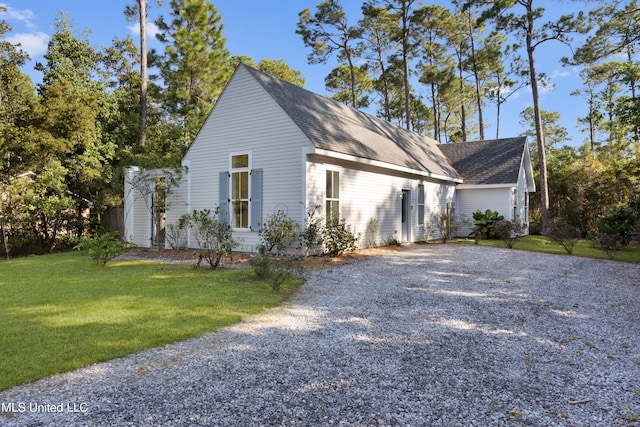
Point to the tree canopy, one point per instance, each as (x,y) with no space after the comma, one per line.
(432,68)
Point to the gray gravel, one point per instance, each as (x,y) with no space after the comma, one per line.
(439,335)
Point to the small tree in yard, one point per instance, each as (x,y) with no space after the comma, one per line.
(508,231)
(564,234)
(278,232)
(212,235)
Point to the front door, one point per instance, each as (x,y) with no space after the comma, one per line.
(406,209)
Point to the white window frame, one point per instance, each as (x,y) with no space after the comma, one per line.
(330,199)
(247,200)
(421,199)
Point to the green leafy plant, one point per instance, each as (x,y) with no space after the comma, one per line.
(311,236)
(484,222)
(616,229)
(278,232)
(213,236)
(104,247)
(338,237)
(392,241)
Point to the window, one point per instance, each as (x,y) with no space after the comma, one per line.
(421,204)
(333,194)
(240,191)
(515,203)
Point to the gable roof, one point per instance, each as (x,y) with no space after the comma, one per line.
(488,162)
(337,128)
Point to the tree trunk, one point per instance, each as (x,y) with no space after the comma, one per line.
(476,77)
(544,187)
(354,97)
(143,72)
(405,63)
(463,113)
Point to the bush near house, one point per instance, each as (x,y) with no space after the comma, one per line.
(484,223)
(212,235)
(278,232)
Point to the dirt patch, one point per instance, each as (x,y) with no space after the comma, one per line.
(310,262)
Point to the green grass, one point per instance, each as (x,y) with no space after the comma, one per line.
(60,312)
(583,248)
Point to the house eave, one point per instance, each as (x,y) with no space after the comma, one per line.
(385,165)
(485,186)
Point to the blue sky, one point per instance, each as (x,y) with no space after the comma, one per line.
(266,29)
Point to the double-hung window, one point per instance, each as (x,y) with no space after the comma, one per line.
(333,194)
(420,204)
(240,191)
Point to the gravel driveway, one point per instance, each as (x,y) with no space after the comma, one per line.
(438,335)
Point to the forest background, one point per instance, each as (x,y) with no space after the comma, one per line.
(446,71)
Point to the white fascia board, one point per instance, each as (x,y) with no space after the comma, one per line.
(385,165)
(480,186)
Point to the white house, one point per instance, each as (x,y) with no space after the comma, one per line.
(269,145)
(497,175)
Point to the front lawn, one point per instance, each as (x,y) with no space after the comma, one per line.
(583,248)
(60,312)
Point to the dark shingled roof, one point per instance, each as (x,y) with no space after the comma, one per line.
(335,127)
(487,162)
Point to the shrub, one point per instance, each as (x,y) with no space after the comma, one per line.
(176,234)
(484,222)
(279,232)
(102,248)
(337,236)
(312,234)
(211,234)
(446,225)
(508,231)
(564,234)
(392,241)
(261,265)
(278,270)
(616,229)
(621,221)
(609,243)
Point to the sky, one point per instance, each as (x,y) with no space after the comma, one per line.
(266,29)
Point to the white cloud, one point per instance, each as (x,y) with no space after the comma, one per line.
(557,74)
(25,16)
(152,29)
(34,44)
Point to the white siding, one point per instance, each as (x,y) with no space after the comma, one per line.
(470,200)
(368,193)
(137,210)
(246,119)
(178,204)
